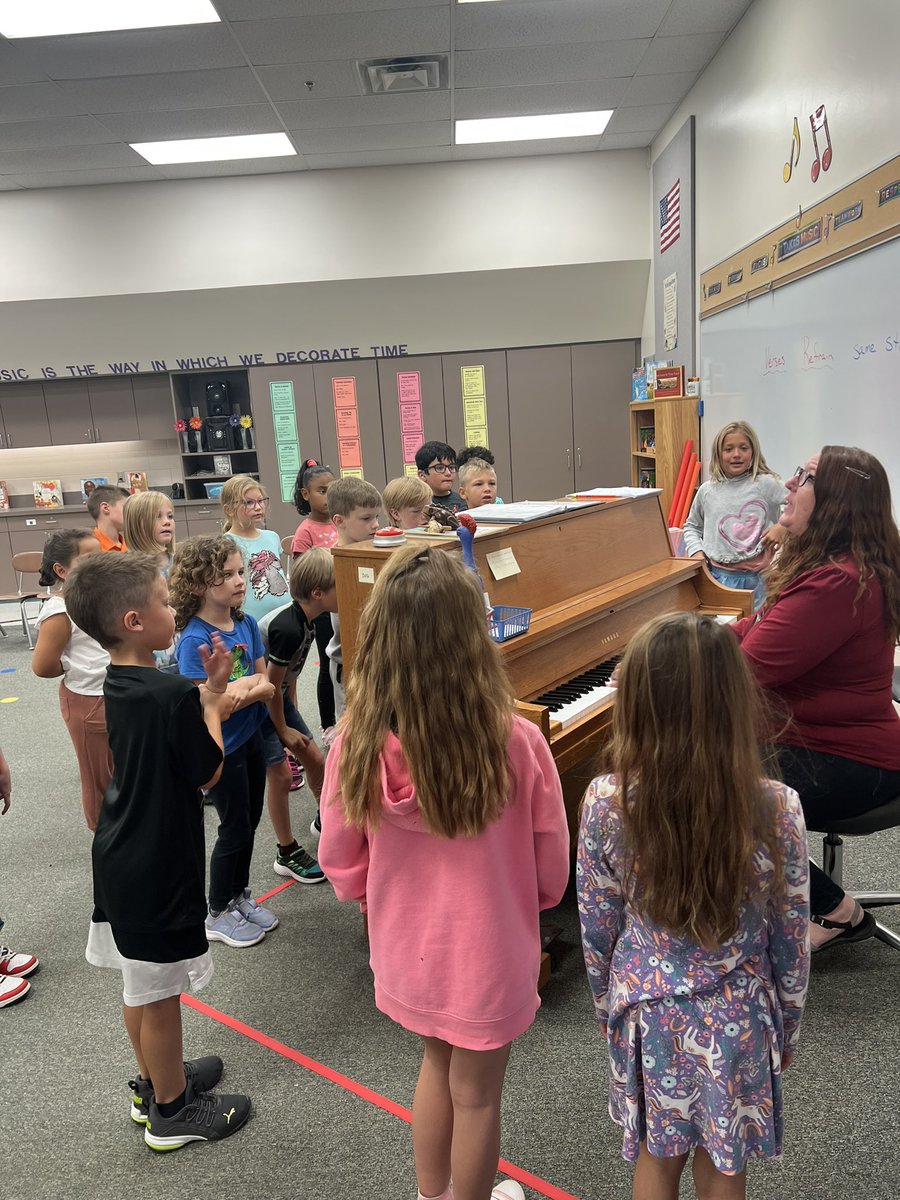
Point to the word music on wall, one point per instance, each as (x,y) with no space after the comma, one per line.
(203,362)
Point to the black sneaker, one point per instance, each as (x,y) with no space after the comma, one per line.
(206,1117)
(204,1073)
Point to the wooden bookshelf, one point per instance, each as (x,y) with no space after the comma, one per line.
(673,420)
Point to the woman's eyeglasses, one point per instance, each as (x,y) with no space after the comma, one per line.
(803,476)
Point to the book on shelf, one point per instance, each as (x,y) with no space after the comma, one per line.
(669,382)
(222,464)
(4,494)
(88,485)
(647,477)
(137,481)
(47,493)
(647,438)
(638,385)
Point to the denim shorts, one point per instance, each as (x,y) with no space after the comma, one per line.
(749,581)
(272,747)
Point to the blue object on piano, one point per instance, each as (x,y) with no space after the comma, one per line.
(507,622)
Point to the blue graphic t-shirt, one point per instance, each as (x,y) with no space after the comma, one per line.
(246,647)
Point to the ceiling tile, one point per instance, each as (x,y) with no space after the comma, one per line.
(18,67)
(549,98)
(342,36)
(247,166)
(626,141)
(547,22)
(186,89)
(659,89)
(68,158)
(649,118)
(329,79)
(42,179)
(525,149)
(366,110)
(668,55)
(135,52)
(548,64)
(58,131)
(263,10)
(702,16)
(191,122)
(9,183)
(30,101)
(371,137)
(380,158)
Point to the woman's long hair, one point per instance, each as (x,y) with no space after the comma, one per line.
(139,517)
(427,669)
(852,515)
(689,777)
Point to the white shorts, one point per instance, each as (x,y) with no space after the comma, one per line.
(146,982)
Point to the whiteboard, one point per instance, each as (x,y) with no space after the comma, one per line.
(816,362)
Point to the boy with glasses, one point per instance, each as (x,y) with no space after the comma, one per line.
(436,464)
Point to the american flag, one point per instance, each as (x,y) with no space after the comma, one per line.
(670,217)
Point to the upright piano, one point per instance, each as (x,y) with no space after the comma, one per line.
(591,576)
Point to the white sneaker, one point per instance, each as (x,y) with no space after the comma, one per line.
(16,964)
(508,1189)
(13,988)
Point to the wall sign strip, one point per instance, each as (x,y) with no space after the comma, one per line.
(475,420)
(346,418)
(284,423)
(412,422)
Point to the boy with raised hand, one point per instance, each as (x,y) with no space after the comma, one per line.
(288,635)
(166,738)
(353,506)
(105,504)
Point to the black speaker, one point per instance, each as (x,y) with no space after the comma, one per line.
(219,434)
(217,399)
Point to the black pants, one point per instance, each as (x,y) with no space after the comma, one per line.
(324,688)
(831,787)
(238,797)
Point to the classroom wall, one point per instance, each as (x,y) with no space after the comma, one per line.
(784,60)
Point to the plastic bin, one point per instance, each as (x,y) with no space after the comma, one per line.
(213,490)
(506,622)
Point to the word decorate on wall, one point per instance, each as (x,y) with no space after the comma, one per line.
(818,123)
(346,421)
(202,362)
(412,423)
(474,406)
(284,420)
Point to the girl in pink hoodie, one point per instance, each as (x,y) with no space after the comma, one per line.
(449,824)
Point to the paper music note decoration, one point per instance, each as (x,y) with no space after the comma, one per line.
(819,123)
(795,152)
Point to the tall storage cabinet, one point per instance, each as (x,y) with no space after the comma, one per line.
(673,422)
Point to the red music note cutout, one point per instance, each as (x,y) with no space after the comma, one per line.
(818,122)
(795,152)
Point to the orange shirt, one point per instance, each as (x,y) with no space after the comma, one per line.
(107,544)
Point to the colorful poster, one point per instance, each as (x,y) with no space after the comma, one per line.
(346,423)
(410,469)
(288,456)
(287,486)
(472,381)
(354,473)
(476,435)
(282,396)
(285,424)
(412,422)
(475,411)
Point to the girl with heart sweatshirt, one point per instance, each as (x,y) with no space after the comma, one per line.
(733,511)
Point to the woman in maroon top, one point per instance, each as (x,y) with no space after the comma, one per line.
(823,646)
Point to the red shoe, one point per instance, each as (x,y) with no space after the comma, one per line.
(13,988)
(297,780)
(18,965)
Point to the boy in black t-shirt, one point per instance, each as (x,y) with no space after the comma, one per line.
(288,635)
(166,739)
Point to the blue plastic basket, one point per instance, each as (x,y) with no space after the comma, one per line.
(506,622)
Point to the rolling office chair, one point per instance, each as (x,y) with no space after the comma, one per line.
(886,816)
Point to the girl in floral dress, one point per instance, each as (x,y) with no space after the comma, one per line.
(692,885)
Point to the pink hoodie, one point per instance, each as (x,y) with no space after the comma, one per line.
(454,923)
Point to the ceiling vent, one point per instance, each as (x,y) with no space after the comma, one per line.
(422,73)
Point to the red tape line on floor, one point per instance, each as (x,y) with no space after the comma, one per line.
(357,1089)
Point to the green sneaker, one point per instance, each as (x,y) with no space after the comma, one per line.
(299,865)
(204,1073)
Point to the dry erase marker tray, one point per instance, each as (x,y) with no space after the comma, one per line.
(506,622)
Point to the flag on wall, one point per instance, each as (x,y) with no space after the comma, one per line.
(670,217)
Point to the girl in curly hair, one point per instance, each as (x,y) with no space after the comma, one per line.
(206,589)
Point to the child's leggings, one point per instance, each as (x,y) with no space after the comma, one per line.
(85,718)
(324,687)
(238,797)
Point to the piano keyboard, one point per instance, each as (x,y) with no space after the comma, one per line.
(579,697)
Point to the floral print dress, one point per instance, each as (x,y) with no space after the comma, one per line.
(696,1036)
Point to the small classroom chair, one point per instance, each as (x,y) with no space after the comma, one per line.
(26,562)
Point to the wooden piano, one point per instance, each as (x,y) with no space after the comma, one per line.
(592,576)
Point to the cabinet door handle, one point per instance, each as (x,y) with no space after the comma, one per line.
(569,460)
(96,435)
(1,441)
(578,452)
(9,441)
(88,437)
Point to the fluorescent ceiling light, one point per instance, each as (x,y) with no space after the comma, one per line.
(216,149)
(528,129)
(49,18)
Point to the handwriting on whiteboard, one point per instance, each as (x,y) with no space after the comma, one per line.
(814,358)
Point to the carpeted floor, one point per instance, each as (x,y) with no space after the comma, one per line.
(295,1022)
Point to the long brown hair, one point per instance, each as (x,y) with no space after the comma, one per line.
(852,515)
(199,563)
(689,777)
(424,649)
